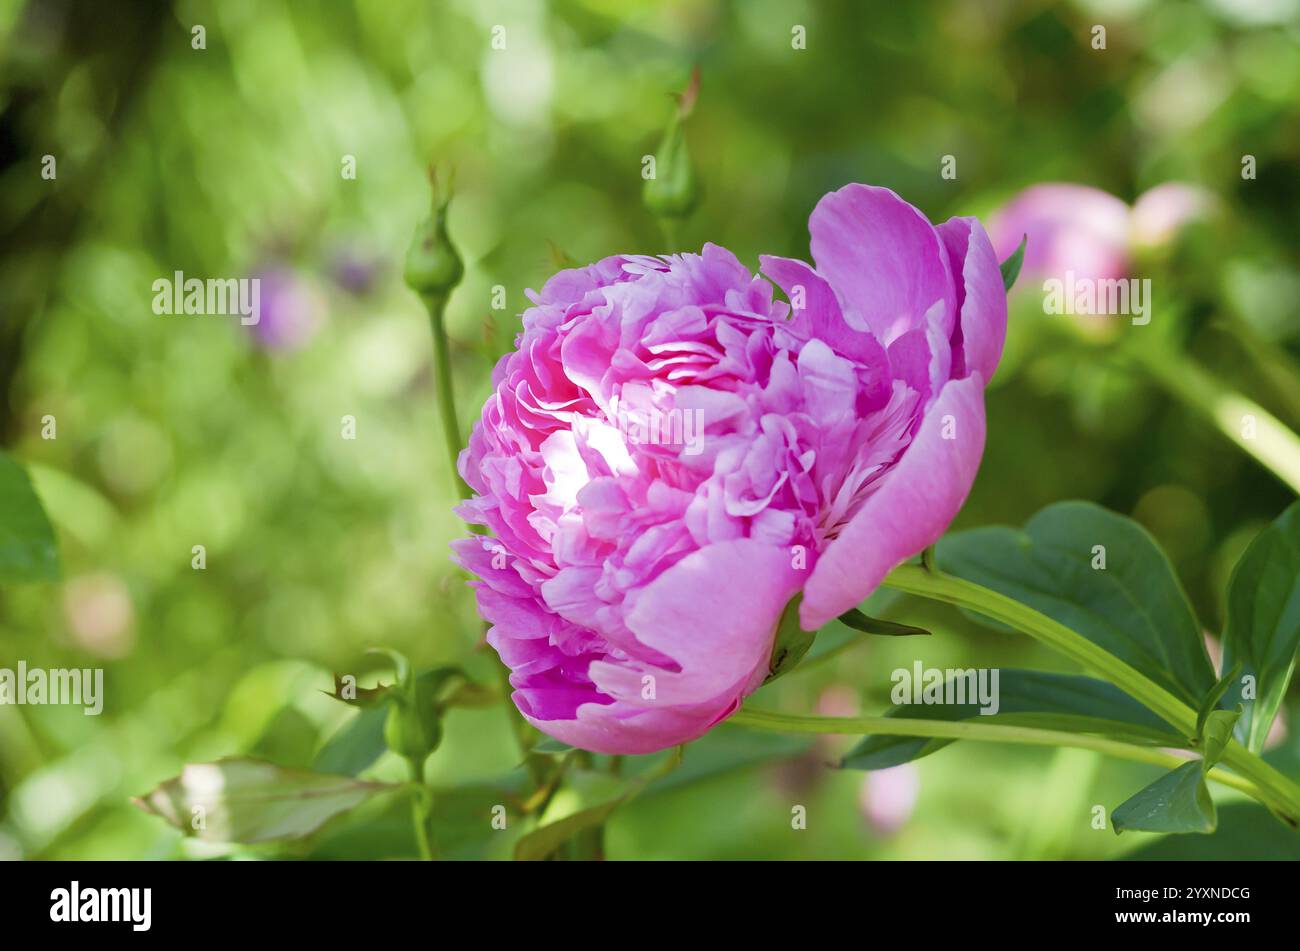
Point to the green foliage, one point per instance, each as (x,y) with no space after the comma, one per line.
(1262,635)
(1028,697)
(1099,574)
(27,547)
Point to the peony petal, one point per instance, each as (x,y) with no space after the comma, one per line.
(715,614)
(982,299)
(910,510)
(822,316)
(883,257)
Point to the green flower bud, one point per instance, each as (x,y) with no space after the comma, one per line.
(433,265)
(674,191)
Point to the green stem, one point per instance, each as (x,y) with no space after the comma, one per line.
(974,730)
(421,812)
(1275,790)
(436,305)
(1270,443)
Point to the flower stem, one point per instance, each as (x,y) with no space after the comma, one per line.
(974,730)
(1254,429)
(436,305)
(1274,789)
(421,812)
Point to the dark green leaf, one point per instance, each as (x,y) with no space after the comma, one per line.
(27,548)
(355,746)
(1176,802)
(1011,266)
(1263,629)
(869,625)
(1246,831)
(1134,607)
(1030,698)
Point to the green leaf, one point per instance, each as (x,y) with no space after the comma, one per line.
(542,842)
(246,800)
(1028,698)
(1263,628)
(27,547)
(1176,802)
(551,746)
(1211,701)
(355,746)
(1011,266)
(1215,735)
(1134,607)
(870,625)
(791,641)
(1246,832)
(348,692)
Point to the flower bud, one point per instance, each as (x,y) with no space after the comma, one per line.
(433,265)
(674,190)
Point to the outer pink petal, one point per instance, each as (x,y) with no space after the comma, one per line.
(715,614)
(883,257)
(910,510)
(980,294)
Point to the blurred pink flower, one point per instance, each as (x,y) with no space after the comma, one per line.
(1159,214)
(100,615)
(671,454)
(888,797)
(1088,231)
(1069,227)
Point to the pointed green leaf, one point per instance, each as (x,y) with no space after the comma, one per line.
(1263,629)
(1029,698)
(246,800)
(1011,266)
(1134,606)
(27,548)
(1211,701)
(1176,802)
(870,625)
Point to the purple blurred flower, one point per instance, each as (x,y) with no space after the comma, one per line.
(354,271)
(292,310)
(635,583)
(888,797)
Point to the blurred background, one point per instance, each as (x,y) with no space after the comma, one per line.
(233,159)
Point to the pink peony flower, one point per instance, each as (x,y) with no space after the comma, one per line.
(671,454)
